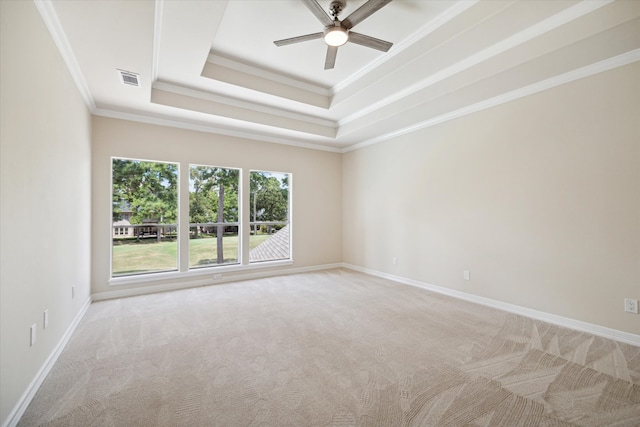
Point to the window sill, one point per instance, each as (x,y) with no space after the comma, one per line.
(196,272)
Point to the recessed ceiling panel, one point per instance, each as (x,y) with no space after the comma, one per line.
(249,28)
(212,65)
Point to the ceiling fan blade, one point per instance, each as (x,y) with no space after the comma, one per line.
(363,12)
(319,12)
(368,41)
(298,39)
(330,60)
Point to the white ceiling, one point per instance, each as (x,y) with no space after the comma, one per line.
(212,65)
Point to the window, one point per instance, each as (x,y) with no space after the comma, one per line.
(145,200)
(145,218)
(213,216)
(270,210)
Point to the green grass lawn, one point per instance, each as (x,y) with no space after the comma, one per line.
(150,255)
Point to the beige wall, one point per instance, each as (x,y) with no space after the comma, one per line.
(316,186)
(538,198)
(45,177)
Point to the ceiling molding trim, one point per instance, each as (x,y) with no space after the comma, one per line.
(428,28)
(549,24)
(51,21)
(243,67)
(561,79)
(207,96)
(157,32)
(261,137)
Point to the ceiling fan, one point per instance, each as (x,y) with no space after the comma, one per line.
(336,33)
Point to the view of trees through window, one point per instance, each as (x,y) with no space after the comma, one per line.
(269,204)
(213,216)
(145,214)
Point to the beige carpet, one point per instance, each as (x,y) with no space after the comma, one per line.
(332,348)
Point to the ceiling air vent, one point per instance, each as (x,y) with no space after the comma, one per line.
(129,78)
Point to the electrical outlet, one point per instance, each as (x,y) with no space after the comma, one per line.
(46,319)
(217,276)
(395,260)
(631,305)
(466,275)
(32,332)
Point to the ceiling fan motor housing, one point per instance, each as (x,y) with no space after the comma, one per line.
(336,32)
(336,7)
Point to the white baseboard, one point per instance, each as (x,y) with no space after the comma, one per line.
(566,322)
(25,399)
(30,392)
(123,293)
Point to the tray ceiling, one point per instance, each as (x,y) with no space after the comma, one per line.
(212,65)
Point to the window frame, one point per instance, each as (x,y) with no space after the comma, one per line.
(214,271)
(287,222)
(238,223)
(131,278)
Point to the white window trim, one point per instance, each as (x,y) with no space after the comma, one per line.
(111,276)
(289,221)
(210,270)
(204,271)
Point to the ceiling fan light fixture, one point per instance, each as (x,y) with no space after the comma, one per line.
(336,36)
(336,32)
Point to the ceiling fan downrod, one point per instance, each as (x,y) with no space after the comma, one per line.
(336,32)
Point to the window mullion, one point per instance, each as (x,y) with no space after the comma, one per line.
(183,219)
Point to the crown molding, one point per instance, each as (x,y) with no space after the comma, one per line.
(427,29)
(157,38)
(250,79)
(50,18)
(300,132)
(562,18)
(261,73)
(589,70)
(238,103)
(561,79)
(214,129)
